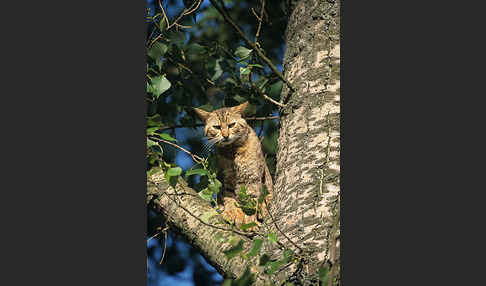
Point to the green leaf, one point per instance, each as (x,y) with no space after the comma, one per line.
(227,282)
(257,245)
(154,120)
(201,172)
(243,190)
(232,252)
(240,99)
(171,180)
(195,49)
(167,137)
(178,38)
(275,89)
(263,194)
(151,130)
(287,254)
(273,266)
(156,52)
(160,85)
(324,275)
(206,194)
(264,259)
(172,175)
(248,225)
(151,143)
(214,186)
(218,71)
(150,89)
(174,171)
(272,237)
(242,52)
(245,71)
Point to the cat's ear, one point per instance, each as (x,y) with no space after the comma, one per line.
(203,115)
(240,108)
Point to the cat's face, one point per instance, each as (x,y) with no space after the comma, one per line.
(224,126)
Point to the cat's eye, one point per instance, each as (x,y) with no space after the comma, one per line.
(217,126)
(231,125)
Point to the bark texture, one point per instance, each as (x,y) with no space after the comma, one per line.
(306,202)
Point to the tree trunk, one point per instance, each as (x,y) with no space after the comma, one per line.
(306,201)
(305,204)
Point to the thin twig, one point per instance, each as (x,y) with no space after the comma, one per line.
(196,158)
(185,12)
(163,13)
(252,45)
(182,26)
(165,247)
(260,19)
(276,225)
(263,118)
(159,232)
(271,100)
(154,236)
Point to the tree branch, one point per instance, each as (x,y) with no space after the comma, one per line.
(184,216)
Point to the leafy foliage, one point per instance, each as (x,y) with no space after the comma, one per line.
(197,60)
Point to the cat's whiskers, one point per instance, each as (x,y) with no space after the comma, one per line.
(208,145)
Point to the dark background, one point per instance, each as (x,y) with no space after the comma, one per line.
(73,148)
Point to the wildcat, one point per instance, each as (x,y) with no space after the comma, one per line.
(240,159)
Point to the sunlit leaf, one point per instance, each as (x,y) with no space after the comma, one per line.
(272,237)
(167,137)
(151,143)
(151,130)
(160,85)
(273,266)
(248,225)
(206,194)
(242,52)
(201,172)
(174,171)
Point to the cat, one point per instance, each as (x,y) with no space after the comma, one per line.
(240,160)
